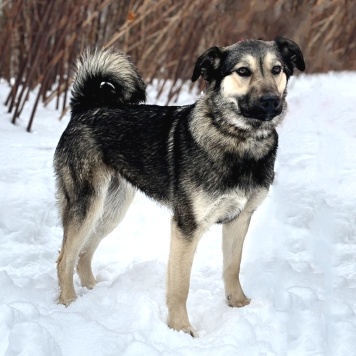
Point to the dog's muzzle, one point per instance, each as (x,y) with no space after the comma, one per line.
(270,107)
(263,108)
(269,103)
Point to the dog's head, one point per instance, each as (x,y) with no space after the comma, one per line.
(251,76)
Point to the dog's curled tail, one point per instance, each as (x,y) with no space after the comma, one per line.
(106,77)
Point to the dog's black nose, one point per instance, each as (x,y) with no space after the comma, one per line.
(269,103)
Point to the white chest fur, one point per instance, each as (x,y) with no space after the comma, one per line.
(210,209)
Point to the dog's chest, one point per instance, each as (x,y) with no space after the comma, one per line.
(210,209)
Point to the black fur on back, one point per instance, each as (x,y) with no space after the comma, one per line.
(188,158)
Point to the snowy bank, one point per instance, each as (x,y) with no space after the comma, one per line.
(299,262)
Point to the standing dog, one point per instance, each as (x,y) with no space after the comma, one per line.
(210,162)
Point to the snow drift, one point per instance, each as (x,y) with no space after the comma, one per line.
(299,262)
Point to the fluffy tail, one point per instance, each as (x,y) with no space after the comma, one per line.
(106,77)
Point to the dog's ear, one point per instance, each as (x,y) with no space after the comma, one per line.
(291,54)
(207,64)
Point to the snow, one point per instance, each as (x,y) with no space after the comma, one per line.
(299,261)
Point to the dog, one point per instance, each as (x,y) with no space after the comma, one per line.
(209,162)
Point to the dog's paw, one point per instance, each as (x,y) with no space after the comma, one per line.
(191,331)
(237,302)
(88,283)
(66,300)
(187,329)
(86,276)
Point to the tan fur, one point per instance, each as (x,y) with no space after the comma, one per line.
(112,215)
(73,240)
(233,85)
(234,234)
(270,61)
(180,262)
(81,240)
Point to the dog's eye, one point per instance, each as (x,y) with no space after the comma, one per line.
(243,72)
(276,70)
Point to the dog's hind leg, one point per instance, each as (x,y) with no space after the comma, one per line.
(118,199)
(80,215)
(181,256)
(234,234)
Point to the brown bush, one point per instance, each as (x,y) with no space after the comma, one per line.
(40,40)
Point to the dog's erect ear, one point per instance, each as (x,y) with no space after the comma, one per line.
(291,54)
(207,64)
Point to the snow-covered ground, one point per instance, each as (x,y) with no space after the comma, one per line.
(299,262)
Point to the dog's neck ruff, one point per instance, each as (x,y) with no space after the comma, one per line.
(215,132)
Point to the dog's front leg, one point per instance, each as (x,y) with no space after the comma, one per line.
(181,256)
(234,234)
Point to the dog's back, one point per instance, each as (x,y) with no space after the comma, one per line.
(106,122)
